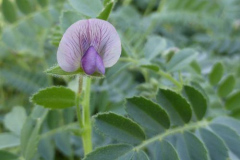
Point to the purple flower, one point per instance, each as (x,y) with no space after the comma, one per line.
(92,44)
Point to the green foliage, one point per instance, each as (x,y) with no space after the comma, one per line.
(197,101)
(181,59)
(147,113)
(25,6)
(7,156)
(54,98)
(106,11)
(233,101)
(173,95)
(9,11)
(57,71)
(89,9)
(216,73)
(226,86)
(177,107)
(15,119)
(119,128)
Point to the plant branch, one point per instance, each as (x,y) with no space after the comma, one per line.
(159,137)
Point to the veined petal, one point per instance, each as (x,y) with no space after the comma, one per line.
(84,34)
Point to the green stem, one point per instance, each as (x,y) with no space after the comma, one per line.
(86,118)
(78,102)
(161,136)
(170,78)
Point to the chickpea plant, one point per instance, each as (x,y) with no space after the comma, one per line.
(179,112)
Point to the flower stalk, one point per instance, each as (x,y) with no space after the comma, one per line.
(84,116)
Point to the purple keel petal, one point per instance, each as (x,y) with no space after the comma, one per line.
(92,62)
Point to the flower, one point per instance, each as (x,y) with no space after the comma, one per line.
(92,44)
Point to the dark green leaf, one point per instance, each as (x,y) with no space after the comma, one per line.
(24,6)
(9,11)
(230,137)
(150,66)
(54,98)
(215,145)
(233,101)
(181,59)
(216,74)
(106,11)
(112,152)
(89,9)
(43,3)
(147,113)
(226,86)
(57,71)
(119,127)
(176,106)
(4,155)
(197,101)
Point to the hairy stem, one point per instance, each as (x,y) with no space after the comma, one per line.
(187,127)
(86,118)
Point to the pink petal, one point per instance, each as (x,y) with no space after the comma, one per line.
(83,34)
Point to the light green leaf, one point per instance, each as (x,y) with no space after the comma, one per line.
(112,152)
(106,11)
(9,11)
(233,101)
(24,6)
(30,132)
(89,9)
(105,2)
(215,145)
(163,150)
(57,71)
(197,101)
(147,113)
(228,121)
(8,156)
(216,73)
(119,127)
(194,64)
(189,147)
(226,86)
(230,137)
(15,119)
(140,155)
(68,18)
(181,59)
(154,46)
(176,106)
(8,140)
(46,149)
(54,98)
(62,141)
